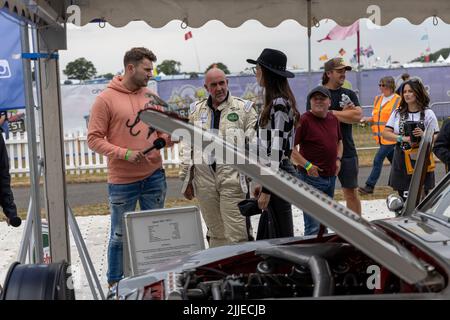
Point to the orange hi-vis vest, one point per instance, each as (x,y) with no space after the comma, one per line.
(381,114)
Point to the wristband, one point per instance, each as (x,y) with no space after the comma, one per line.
(308,165)
(400,139)
(127,154)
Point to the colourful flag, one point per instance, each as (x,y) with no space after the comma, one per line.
(341,33)
(187,35)
(323,58)
(342,52)
(427,58)
(424,37)
(369,52)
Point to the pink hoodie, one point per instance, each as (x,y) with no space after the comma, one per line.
(109,135)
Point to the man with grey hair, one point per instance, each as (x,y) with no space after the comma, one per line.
(218,186)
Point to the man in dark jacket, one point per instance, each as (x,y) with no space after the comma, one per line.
(6,195)
(442,145)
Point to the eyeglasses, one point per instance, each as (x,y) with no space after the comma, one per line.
(381,85)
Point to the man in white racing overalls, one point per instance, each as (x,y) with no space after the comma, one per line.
(217,185)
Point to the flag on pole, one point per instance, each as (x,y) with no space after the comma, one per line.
(427,58)
(323,58)
(362,51)
(428,49)
(424,37)
(369,52)
(188,35)
(342,52)
(341,33)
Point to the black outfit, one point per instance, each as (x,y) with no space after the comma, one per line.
(276,222)
(6,195)
(348,175)
(275,143)
(442,144)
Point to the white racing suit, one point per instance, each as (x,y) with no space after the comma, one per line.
(218,192)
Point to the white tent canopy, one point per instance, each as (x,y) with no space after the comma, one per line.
(232,12)
(193,13)
(440,59)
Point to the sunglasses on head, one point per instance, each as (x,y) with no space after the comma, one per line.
(413,80)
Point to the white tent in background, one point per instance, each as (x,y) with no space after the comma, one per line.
(440,59)
(48,18)
(448,59)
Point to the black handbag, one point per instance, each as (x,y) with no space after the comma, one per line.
(267,227)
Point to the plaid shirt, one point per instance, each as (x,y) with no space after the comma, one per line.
(276,140)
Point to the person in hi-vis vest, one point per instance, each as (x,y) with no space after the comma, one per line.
(383,106)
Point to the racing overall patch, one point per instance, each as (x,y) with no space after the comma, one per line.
(204,117)
(233,117)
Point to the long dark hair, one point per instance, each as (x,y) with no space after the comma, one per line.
(325,78)
(275,86)
(421,94)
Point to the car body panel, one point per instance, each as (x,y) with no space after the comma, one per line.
(359,232)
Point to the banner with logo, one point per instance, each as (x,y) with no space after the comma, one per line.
(77,100)
(12,94)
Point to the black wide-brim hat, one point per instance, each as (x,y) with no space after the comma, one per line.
(249,207)
(275,61)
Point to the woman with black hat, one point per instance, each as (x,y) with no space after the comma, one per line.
(275,138)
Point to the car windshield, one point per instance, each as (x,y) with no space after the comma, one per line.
(438,204)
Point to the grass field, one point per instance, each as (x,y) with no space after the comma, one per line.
(362,138)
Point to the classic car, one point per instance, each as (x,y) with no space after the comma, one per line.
(404,257)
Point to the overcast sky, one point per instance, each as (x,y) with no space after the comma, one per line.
(214,42)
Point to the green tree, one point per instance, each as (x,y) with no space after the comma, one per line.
(80,69)
(169,67)
(219,65)
(108,76)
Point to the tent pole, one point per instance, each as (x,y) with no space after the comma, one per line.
(309,45)
(358,71)
(32,148)
(52,143)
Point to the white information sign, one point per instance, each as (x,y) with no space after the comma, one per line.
(158,236)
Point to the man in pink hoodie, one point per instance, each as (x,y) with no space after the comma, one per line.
(114,132)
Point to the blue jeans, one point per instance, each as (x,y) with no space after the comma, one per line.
(151,193)
(324,184)
(385,151)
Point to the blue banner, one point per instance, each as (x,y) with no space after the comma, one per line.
(12,94)
(181,93)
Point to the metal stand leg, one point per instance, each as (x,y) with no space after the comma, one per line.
(88,266)
(25,241)
(84,256)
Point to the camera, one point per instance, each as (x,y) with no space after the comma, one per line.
(5,71)
(409,128)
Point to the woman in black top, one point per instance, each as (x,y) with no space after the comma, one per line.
(405,126)
(275,138)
